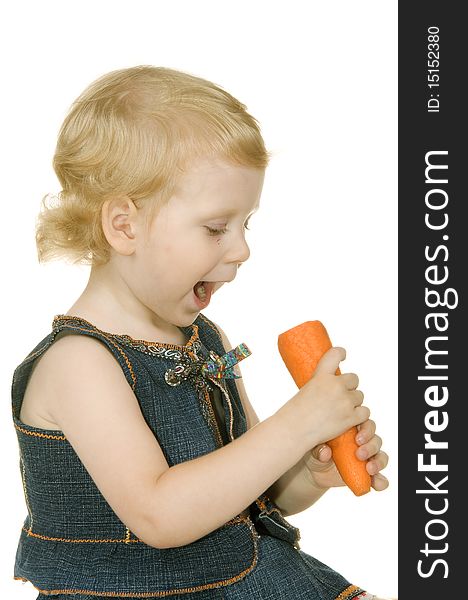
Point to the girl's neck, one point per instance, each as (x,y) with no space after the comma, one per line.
(112,307)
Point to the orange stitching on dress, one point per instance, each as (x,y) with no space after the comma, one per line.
(231,414)
(40,435)
(32,355)
(127,540)
(106,334)
(167,345)
(194,336)
(347,592)
(188,590)
(210,324)
(78,541)
(27,359)
(260,502)
(57,330)
(263,506)
(221,384)
(213,422)
(26,497)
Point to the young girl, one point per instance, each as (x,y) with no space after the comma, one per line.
(146,471)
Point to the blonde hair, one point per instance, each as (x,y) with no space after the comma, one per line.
(130,133)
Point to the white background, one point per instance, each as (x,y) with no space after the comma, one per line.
(321,79)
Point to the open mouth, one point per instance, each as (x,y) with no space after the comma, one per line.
(203,291)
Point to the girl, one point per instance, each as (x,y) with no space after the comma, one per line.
(146,471)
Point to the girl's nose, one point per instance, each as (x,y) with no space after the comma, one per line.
(239,251)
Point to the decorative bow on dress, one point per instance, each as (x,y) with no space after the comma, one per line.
(221,367)
(217,367)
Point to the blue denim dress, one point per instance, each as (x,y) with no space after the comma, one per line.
(72,545)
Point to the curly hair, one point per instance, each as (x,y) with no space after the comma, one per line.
(130,133)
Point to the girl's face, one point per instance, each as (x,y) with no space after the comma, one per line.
(198,236)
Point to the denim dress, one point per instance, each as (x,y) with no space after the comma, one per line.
(72,544)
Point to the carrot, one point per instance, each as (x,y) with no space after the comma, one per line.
(301,348)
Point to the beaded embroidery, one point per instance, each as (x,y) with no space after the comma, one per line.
(219,367)
(190,363)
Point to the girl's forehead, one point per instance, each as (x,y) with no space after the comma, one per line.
(218,183)
(206,173)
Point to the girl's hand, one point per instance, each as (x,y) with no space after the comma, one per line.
(322,469)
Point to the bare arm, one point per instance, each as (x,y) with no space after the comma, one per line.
(93,404)
(294,491)
(95,407)
(306,481)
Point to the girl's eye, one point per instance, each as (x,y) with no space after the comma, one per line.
(212,231)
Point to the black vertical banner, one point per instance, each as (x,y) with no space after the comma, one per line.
(433,334)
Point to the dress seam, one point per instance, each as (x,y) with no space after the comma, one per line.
(187,590)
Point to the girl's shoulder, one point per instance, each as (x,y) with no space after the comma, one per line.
(65,347)
(42,393)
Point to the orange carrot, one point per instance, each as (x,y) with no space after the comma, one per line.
(301,348)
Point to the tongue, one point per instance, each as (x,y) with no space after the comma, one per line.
(195,288)
(208,289)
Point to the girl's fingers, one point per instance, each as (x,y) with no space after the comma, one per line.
(322,453)
(370,449)
(366,431)
(351,380)
(379,482)
(325,453)
(377,463)
(358,397)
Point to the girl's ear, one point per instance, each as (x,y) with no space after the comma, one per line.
(119,223)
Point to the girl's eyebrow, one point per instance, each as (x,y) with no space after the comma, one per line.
(230,212)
